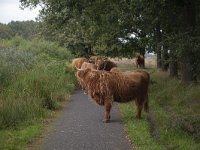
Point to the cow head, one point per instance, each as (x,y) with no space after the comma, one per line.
(82,73)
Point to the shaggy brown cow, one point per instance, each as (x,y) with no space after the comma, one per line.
(105,65)
(86,65)
(93,59)
(139,60)
(142,75)
(115,69)
(105,87)
(77,62)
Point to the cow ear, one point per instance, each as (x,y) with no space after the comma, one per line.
(80,74)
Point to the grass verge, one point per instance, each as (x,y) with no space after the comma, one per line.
(173,121)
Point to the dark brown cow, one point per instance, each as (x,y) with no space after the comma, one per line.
(139,60)
(106,87)
(105,65)
(145,76)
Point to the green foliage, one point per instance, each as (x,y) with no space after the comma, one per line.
(5,32)
(177,111)
(121,28)
(40,47)
(34,91)
(34,81)
(33,77)
(13,63)
(26,29)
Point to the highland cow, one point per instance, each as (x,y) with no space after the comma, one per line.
(106,65)
(106,87)
(77,62)
(142,75)
(87,65)
(139,61)
(93,59)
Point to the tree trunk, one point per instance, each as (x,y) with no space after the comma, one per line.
(165,59)
(158,46)
(189,25)
(159,60)
(173,65)
(186,70)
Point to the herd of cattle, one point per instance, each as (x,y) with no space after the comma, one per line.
(105,83)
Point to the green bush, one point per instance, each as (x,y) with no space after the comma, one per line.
(38,46)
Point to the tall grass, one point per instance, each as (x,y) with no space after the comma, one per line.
(13,62)
(174,118)
(35,91)
(177,112)
(34,79)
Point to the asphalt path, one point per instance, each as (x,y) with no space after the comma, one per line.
(80,127)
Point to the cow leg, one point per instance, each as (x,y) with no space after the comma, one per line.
(108,107)
(139,106)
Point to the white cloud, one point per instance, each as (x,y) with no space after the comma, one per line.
(10,11)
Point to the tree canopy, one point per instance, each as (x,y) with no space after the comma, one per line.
(123,27)
(26,29)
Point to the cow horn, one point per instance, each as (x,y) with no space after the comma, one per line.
(78,68)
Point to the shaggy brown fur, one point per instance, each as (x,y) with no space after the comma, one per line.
(142,75)
(105,87)
(77,62)
(105,65)
(86,65)
(139,61)
(94,59)
(115,69)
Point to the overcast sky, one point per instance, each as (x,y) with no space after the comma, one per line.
(10,11)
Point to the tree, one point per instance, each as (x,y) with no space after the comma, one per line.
(123,27)
(5,31)
(26,29)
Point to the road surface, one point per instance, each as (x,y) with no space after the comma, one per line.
(81,128)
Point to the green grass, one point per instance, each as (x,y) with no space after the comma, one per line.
(138,130)
(17,139)
(34,83)
(174,120)
(30,100)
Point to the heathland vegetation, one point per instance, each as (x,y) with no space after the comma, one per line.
(34,80)
(34,76)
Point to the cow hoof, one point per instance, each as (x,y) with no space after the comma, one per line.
(106,121)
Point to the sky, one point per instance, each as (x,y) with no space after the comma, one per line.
(10,11)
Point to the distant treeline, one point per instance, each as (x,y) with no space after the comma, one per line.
(26,29)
